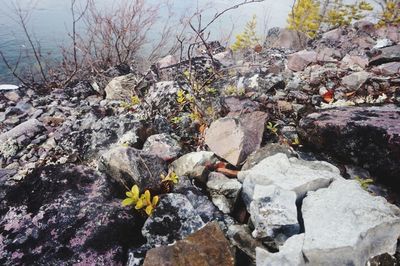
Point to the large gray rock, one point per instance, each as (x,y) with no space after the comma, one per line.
(19,137)
(162,97)
(162,145)
(174,218)
(275,214)
(345,225)
(290,254)
(223,190)
(300,60)
(386,55)
(287,173)
(355,80)
(287,39)
(129,166)
(121,88)
(193,164)
(235,138)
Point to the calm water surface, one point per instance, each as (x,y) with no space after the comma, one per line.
(50,20)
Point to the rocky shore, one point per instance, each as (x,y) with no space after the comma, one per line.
(288,156)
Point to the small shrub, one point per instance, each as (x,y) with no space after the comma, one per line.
(340,14)
(305,17)
(390,14)
(248,38)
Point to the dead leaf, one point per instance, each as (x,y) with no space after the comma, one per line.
(228,172)
(328,96)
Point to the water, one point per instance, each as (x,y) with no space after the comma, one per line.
(50,20)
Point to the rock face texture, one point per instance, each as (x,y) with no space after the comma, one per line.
(64,215)
(344,223)
(129,166)
(290,174)
(174,218)
(207,246)
(121,88)
(235,138)
(193,164)
(162,145)
(300,60)
(367,136)
(289,254)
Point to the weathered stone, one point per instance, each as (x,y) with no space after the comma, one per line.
(167,61)
(287,39)
(365,136)
(240,236)
(235,138)
(162,145)
(82,89)
(65,215)
(129,166)
(162,97)
(173,219)
(355,80)
(386,55)
(12,95)
(300,60)
(287,173)
(392,68)
(223,190)
(193,164)
(345,225)
(290,254)
(207,246)
(121,88)
(275,213)
(267,151)
(354,61)
(237,105)
(225,58)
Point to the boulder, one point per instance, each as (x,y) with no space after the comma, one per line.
(290,254)
(223,190)
(240,236)
(65,215)
(129,166)
(275,214)
(365,136)
(290,174)
(355,80)
(345,225)
(193,164)
(162,97)
(207,246)
(167,61)
(174,218)
(385,55)
(268,150)
(234,138)
(287,39)
(121,88)
(354,62)
(300,60)
(162,145)
(388,69)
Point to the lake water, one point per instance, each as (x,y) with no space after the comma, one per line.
(50,19)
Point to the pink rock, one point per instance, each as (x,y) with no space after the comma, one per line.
(352,61)
(388,69)
(234,138)
(300,60)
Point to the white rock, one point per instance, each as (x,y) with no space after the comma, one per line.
(274,214)
(345,225)
(7,87)
(121,88)
(288,173)
(381,43)
(223,190)
(192,164)
(290,254)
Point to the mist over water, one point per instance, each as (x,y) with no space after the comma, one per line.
(50,21)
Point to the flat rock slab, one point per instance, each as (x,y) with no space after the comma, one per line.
(207,246)
(386,55)
(300,60)
(365,136)
(286,173)
(345,225)
(234,138)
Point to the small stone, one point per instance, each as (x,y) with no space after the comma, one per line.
(300,60)
(355,80)
(162,145)
(193,164)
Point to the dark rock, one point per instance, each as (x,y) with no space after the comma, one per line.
(129,166)
(65,215)
(366,136)
(82,89)
(208,246)
(173,219)
(385,55)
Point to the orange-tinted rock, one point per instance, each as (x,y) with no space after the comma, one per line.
(207,246)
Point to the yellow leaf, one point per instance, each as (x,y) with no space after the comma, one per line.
(149,210)
(127,202)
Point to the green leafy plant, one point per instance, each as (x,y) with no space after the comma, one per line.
(364,183)
(390,14)
(144,201)
(171,177)
(272,127)
(305,17)
(132,104)
(231,90)
(248,38)
(339,14)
